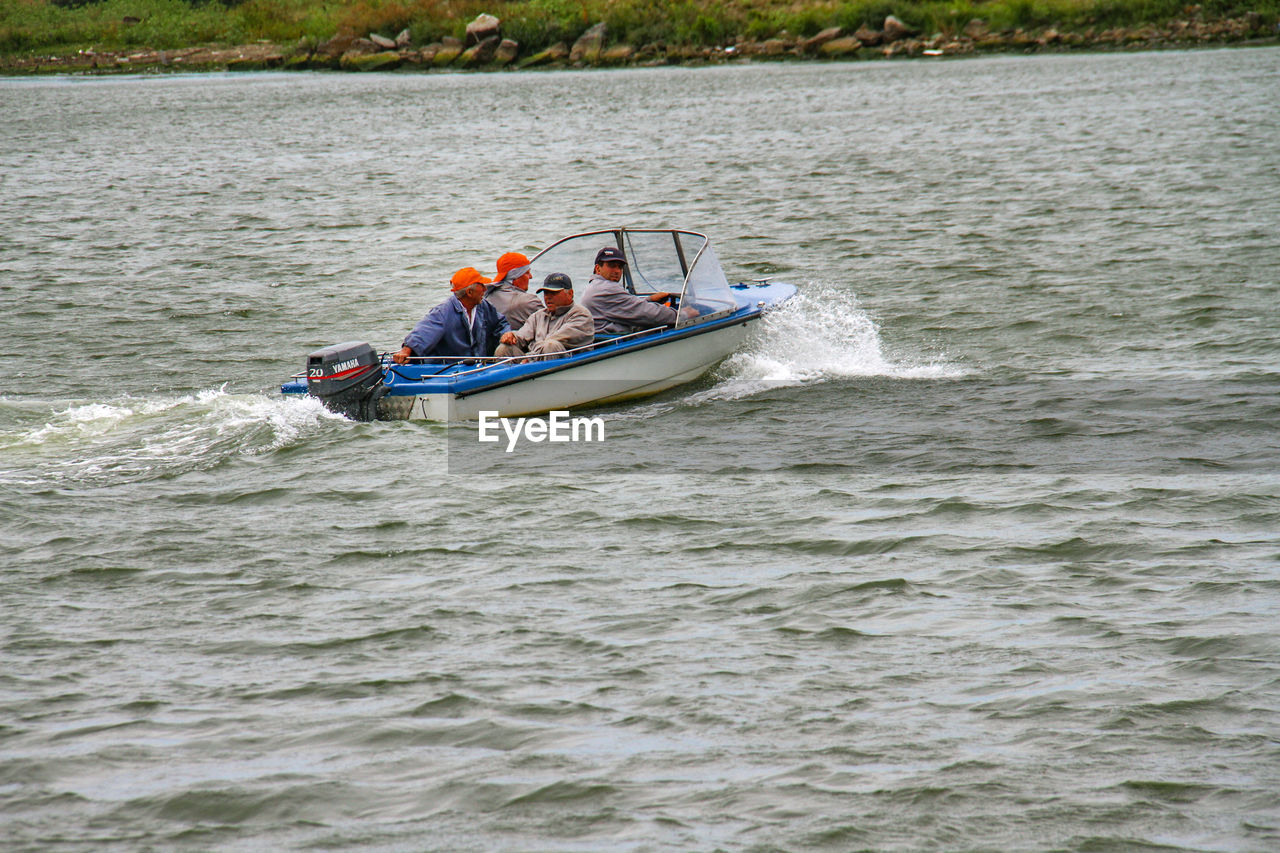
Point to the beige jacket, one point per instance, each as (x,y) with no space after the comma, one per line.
(572,328)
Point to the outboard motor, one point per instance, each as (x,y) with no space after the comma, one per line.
(348,379)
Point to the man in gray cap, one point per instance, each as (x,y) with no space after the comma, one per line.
(560,326)
(616,310)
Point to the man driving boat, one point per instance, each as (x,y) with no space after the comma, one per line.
(616,310)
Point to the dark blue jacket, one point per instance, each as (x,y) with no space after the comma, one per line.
(444,331)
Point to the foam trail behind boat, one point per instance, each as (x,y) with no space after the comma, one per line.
(134,438)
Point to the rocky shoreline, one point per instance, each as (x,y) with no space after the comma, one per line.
(484,48)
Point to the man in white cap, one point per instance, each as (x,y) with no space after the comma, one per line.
(559,327)
(616,310)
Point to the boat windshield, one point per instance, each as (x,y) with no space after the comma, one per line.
(680,262)
(659,260)
(573,256)
(706,290)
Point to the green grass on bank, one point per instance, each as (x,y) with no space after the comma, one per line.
(44,26)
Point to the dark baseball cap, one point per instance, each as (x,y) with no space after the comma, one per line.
(609,253)
(556,281)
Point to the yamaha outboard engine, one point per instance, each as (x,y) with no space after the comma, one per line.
(348,379)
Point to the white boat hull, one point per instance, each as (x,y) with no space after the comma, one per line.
(630,375)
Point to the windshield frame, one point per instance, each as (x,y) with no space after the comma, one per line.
(617,238)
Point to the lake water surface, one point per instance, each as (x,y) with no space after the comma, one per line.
(975,545)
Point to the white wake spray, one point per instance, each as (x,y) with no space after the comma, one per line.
(141,438)
(820,334)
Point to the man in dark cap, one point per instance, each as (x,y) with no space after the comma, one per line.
(616,310)
(559,327)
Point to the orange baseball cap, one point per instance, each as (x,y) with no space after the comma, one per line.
(466,277)
(508,262)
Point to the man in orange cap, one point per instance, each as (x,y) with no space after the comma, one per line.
(514,267)
(509,292)
(463,325)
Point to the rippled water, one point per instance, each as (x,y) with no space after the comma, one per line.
(973,546)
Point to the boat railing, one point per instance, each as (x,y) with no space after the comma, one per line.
(487,362)
(594,345)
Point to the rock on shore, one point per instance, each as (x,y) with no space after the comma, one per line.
(486,49)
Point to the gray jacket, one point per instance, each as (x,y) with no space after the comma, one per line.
(512,302)
(618,312)
(573,327)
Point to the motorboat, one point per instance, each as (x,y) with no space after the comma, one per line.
(352,378)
